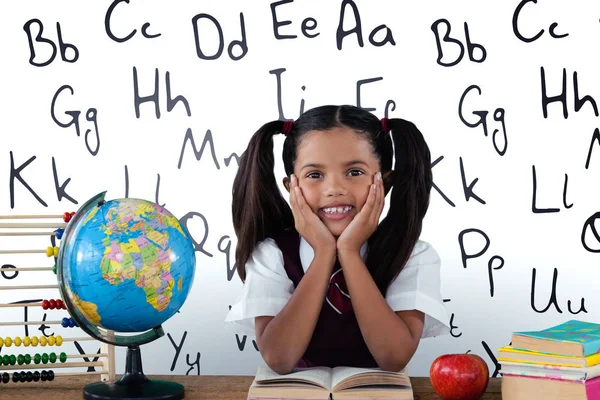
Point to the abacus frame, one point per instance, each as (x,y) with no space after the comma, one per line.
(106,357)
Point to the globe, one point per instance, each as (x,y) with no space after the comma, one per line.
(125,266)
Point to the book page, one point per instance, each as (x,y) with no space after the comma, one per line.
(340,374)
(320,376)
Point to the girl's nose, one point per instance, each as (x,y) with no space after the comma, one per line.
(335,187)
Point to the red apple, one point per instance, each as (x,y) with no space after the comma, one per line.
(459,376)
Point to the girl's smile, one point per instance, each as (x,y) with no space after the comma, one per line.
(336,211)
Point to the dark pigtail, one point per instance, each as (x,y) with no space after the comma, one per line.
(392,243)
(259,210)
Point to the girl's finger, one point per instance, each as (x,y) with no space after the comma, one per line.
(370,203)
(295,191)
(373,215)
(292,193)
(294,200)
(300,199)
(381,200)
(291,182)
(303,210)
(377,202)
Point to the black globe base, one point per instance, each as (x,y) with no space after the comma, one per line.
(134,385)
(150,390)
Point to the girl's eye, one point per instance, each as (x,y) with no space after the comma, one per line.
(317,175)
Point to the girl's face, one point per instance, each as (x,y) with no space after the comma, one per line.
(335,169)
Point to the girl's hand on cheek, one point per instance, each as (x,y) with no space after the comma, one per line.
(365,222)
(308,224)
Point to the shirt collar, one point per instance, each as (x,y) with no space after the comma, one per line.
(307,253)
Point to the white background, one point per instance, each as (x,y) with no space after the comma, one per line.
(234,98)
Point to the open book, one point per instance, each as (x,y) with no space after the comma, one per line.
(323,383)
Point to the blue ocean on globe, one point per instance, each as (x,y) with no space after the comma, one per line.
(128,265)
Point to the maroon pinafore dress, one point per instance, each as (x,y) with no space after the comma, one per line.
(337,340)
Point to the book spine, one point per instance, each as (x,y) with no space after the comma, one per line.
(592,389)
(591,347)
(592,360)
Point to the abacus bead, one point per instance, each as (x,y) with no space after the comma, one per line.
(44,375)
(65,322)
(55,254)
(8,341)
(36,376)
(16,377)
(45,304)
(37,358)
(52,304)
(26,341)
(13,359)
(27,359)
(29,376)
(35,341)
(71,323)
(67,216)
(5,377)
(6,360)
(49,252)
(43,341)
(54,269)
(18,341)
(63,357)
(1,342)
(59,233)
(52,357)
(45,358)
(59,340)
(50,375)
(51,340)
(20,359)
(23,376)
(60,305)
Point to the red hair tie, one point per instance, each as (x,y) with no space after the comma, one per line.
(384,125)
(287,127)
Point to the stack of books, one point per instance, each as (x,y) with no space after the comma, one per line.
(561,362)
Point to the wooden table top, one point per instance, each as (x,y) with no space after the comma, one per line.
(207,387)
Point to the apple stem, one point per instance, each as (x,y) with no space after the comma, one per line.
(468,351)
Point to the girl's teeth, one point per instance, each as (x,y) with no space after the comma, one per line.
(337,210)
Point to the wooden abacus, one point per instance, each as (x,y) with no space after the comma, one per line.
(39,367)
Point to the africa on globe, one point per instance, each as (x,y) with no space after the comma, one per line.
(127,264)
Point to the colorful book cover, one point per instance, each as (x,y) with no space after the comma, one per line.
(585,333)
(518,355)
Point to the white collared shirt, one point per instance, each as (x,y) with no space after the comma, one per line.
(268,288)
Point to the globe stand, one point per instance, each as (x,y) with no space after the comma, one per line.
(134,385)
